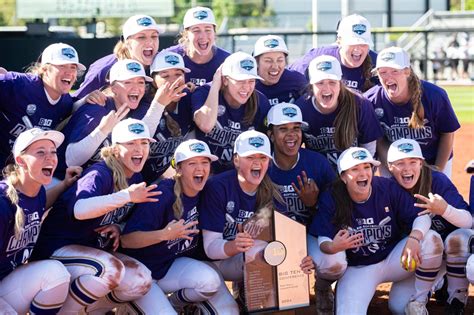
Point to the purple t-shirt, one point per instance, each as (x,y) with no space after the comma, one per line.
(316,167)
(228,126)
(96,75)
(83,122)
(154,216)
(23,95)
(61,228)
(383,218)
(201,73)
(225,205)
(16,252)
(439,118)
(288,89)
(319,134)
(352,77)
(161,151)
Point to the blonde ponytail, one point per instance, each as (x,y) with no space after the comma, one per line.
(10,173)
(178,203)
(114,164)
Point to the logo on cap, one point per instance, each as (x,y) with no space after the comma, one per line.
(133,66)
(405,147)
(68,52)
(247,64)
(324,66)
(388,56)
(256,141)
(359,29)
(144,21)
(200,15)
(289,111)
(172,59)
(197,147)
(359,155)
(136,128)
(271,43)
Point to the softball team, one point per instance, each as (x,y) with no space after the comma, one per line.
(187,121)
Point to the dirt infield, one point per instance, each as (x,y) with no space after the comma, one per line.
(463,152)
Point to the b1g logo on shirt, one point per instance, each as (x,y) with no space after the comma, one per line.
(43,122)
(198,81)
(351,84)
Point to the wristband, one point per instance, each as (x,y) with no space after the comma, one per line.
(414,237)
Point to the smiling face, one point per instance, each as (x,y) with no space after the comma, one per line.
(358,180)
(169,75)
(353,56)
(132,155)
(201,39)
(194,173)
(39,162)
(286,139)
(326,93)
(406,171)
(129,92)
(251,170)
(271,66)
(237,92)
(59,79)
(143,46)
(395,84)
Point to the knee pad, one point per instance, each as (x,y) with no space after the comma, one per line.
(458,243)
(432,245)
(332,267)
(55,273)
(137,280)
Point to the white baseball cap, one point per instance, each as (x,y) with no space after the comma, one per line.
(393,57)
(355,30)
(27,137)
(402,149)
(192,148)
(127,69)
(240,66)
(252,142)
(130,129)
(324,67)
(198,15)
(138,23)
(354,156)
(168,60)
(269,43)
(284,113)
(61,54)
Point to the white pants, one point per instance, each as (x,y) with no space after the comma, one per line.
(22,285)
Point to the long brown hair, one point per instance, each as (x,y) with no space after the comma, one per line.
(367,73)
(251,107)
(345,123)
(423,185)
(344,204)
(418,113)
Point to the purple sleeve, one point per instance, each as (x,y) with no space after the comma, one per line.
(96,76)
(83,122)
(302,64)
(471,194)
(444,187)
(404,204)
(5,220)
(199,96)
(212,210)
(94,183)
(322,222)
(368,124)
(446,120)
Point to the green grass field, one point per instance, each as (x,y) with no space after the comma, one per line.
(462,99)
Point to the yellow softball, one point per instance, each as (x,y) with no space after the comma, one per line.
(409,265)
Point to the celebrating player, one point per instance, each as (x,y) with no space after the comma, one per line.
(364,218)
(36,287)
(176,123)
(352,52)
(229,106)
(40,98)
(89,128)
(139,41)
(164,236)
(197,45)
(410,108)
(81,231)
(337,117)
(279,84)
(451,218)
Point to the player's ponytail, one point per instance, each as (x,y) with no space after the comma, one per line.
(121,50)
(250,109)
(418,114)
(172,125)
(345,123)
(114,164)
(10,173)
(367,73)
(343,201)
(178,203)
(423,185)
(266,193)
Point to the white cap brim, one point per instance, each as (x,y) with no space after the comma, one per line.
(80,66)
(244,76)
(211,157)
(353,40)
(186,70)
(326,76)
(55,136)
(251,152)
